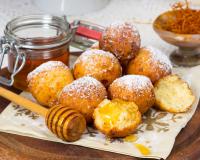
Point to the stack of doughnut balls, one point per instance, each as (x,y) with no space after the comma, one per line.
(116,82)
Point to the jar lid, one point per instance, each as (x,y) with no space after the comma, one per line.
(39,31)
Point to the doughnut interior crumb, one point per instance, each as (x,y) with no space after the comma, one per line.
(173,94)
(117,118)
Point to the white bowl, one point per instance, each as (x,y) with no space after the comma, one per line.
(70,7)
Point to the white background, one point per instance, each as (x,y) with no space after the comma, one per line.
(139,12)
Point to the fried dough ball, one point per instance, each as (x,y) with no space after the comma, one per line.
(134,88)
(47,80)
(150,62)
(84,95)
(117,118)
(173,94)
(99,64)
(121,39)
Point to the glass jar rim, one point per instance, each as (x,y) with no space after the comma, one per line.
(40,21)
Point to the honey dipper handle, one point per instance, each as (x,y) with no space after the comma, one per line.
(23,102)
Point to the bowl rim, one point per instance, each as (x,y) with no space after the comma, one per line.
(156,29)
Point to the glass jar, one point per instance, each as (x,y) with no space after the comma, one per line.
(34,39)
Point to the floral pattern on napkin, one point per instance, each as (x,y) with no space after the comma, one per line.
(154,138)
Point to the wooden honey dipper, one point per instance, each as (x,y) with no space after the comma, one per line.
(66,123)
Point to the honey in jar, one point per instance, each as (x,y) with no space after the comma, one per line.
(32,40)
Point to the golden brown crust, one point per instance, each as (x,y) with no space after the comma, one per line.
(121,39)
(151,63)
(124,118)
(173,94)
(46,83)
(134,88)
(99,64)
(84,95)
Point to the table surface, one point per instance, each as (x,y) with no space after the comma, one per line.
(22,148)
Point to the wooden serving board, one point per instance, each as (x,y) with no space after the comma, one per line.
(187,145)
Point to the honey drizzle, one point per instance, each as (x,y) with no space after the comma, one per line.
(130,138)
(143,149)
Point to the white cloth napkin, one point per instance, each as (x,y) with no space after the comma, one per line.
(154,138)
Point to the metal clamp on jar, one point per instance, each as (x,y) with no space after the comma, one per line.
(34,39)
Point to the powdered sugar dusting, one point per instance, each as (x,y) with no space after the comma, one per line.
(85,56)
(84,88)
(157,55)
(97,61)
(136,82)
(46,67)
(122,39)
(120,26)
